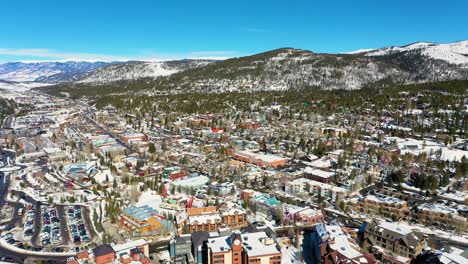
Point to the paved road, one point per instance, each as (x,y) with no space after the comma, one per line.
(110,134)
(4,185)
(63,224)
(87,221)
(37,228)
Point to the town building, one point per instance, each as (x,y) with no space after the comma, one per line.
(180,249)
(330,244)
(144,221)
(391,242)
(264,160)
(243,249)
(303,185)
(318,175)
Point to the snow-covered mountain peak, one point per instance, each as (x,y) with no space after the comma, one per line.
(453,53)
(47,72)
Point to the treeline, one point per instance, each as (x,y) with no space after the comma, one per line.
(437,95)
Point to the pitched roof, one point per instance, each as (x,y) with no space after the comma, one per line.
(102,250)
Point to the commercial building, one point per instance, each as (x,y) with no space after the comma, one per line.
(264,160)
(144,221)
(243,248)
(191,183)
(318,175)
(81,171)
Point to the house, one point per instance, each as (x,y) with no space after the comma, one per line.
(233,217)
(383,204)
(297,214)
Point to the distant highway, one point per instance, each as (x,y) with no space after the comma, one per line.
(8,120)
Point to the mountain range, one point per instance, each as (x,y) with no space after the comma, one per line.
(280,69)
(48,72)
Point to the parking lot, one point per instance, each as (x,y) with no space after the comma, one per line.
(76,226)
(29,222)
(50,232)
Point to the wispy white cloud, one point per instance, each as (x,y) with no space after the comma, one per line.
(48,54)
(214,55)
(255,30)
(40,54)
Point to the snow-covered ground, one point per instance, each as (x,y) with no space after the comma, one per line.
(137,70)
(20,86)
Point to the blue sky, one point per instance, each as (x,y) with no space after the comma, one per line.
(140,29)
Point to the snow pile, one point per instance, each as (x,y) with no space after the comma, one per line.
(453,154)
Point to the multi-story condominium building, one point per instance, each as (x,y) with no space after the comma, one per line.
(246,248)
(233,217)
(440,215)
(385,205)
(203,219)
(302,215)
(391,242)
(210,218)
(303,185)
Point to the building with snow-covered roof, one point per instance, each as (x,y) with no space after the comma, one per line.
(318,175)
(236,248)
(440,215)
(301,185)
(330,244)
(191,183)
(386,205)
(397,243)
(144,221)
(260,159)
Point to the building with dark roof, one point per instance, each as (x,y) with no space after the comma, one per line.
(391,242)
(181,249)
(103,254)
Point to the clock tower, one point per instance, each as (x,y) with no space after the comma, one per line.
(236,245)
